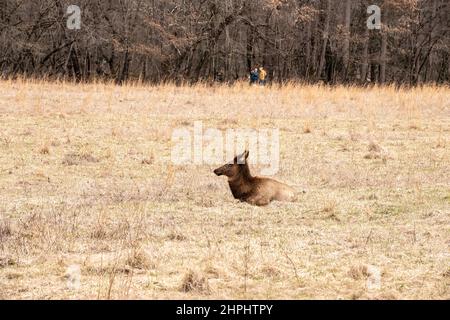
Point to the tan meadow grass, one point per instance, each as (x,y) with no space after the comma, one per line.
(86,184)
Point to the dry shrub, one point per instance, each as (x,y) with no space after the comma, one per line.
(73,159)
(194,282)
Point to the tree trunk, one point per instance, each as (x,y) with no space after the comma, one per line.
(346,45)
(125,67)
(325,35)
(383,55)
(365,58)
(308,50)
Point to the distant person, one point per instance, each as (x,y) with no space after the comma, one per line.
(254,76)
(220,76)
(262,76)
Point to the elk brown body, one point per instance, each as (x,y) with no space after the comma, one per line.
(258,191)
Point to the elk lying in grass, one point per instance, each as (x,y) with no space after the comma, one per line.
(253,190)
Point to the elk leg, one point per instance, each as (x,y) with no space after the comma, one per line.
(258,201)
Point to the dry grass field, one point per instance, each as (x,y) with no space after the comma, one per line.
(87,187)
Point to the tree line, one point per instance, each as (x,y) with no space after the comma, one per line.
(222,40)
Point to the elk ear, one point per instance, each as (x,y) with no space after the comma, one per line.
(241,159)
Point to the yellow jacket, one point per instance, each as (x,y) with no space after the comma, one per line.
(262,74)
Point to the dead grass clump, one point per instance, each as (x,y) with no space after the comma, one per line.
(376,152)
(194,282)
(359,272)
(330,211)
(185,123)
(73,159)
(107,269)
(149,160)
(98,232)
(5,229)
(6,262)
(44,150)
(330,207)
(212,271)
(372,156)
(139,259)
(229,121)
(176,236)
(14,276)
(414,126)
(6,141)
(106,263)
(333,216)
(373,147)
(371,196)
(270,271)
(307,128)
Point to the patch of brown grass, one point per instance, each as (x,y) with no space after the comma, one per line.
(374,147)
(5,229)
(44,150)
(359,272)
(74,158)
(195,282)
(307,128)
(6,261)
(139,259)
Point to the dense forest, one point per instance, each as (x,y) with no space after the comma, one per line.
(221,40)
